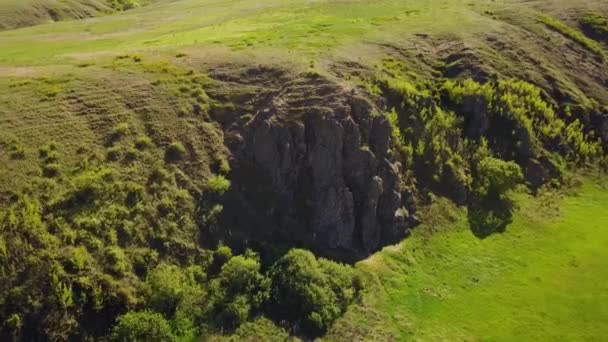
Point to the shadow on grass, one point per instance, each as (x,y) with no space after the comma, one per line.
(487,217)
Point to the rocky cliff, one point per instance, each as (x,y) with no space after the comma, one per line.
(313,168)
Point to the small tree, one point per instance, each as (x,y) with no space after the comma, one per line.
(240,289)
(142,326)
(490,206)
(310,293)
(495,178)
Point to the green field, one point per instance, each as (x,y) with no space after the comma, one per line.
(544,279)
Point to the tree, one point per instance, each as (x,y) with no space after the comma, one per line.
(142,326)
(495,178)
(240,289)
(490,206)
(310,293)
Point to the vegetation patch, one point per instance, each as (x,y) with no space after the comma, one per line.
(595,25)
(575,35)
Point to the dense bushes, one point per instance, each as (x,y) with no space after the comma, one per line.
(474,142)
(311,293)
(142,326)
(113,250)
(517,121)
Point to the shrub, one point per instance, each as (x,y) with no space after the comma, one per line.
(78,259)
(496,177)
(142,326)
(51,170)
(308,292)
(143,142)
(48,153)
(167,284)
(175,151)
(117,261)
(240,289)
(491,207)
(218,184)
(17,152)
(121,129)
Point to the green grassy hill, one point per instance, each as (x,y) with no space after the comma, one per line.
(157,165)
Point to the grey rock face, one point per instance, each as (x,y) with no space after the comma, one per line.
(328,163)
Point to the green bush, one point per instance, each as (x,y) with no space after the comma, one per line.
(495,178)
(490,206)
(168,284)
(240,289)
(117,261)
(143,142)
(142,326)
(310,293)
(218,184)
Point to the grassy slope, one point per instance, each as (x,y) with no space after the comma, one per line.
(542,280)
(19,13)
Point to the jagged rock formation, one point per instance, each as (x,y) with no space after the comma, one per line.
(317,157)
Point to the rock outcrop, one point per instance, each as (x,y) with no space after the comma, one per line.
(320,155)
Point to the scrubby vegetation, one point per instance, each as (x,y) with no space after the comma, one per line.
(474,142)
(120,242)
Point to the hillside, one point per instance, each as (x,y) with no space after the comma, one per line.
(165,170)
(20,13)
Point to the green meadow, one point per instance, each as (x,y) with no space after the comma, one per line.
(544,279)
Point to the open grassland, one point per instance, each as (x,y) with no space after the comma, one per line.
(544,279)
(509,38)
(310,27)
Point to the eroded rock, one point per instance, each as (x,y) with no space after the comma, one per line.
(328,164)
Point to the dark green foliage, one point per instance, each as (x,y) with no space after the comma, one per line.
(427,138)
(142,326)
(518,123)
(496,177)
(490,205)
(239,290)
(309,292)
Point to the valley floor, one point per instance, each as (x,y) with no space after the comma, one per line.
(541,280)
